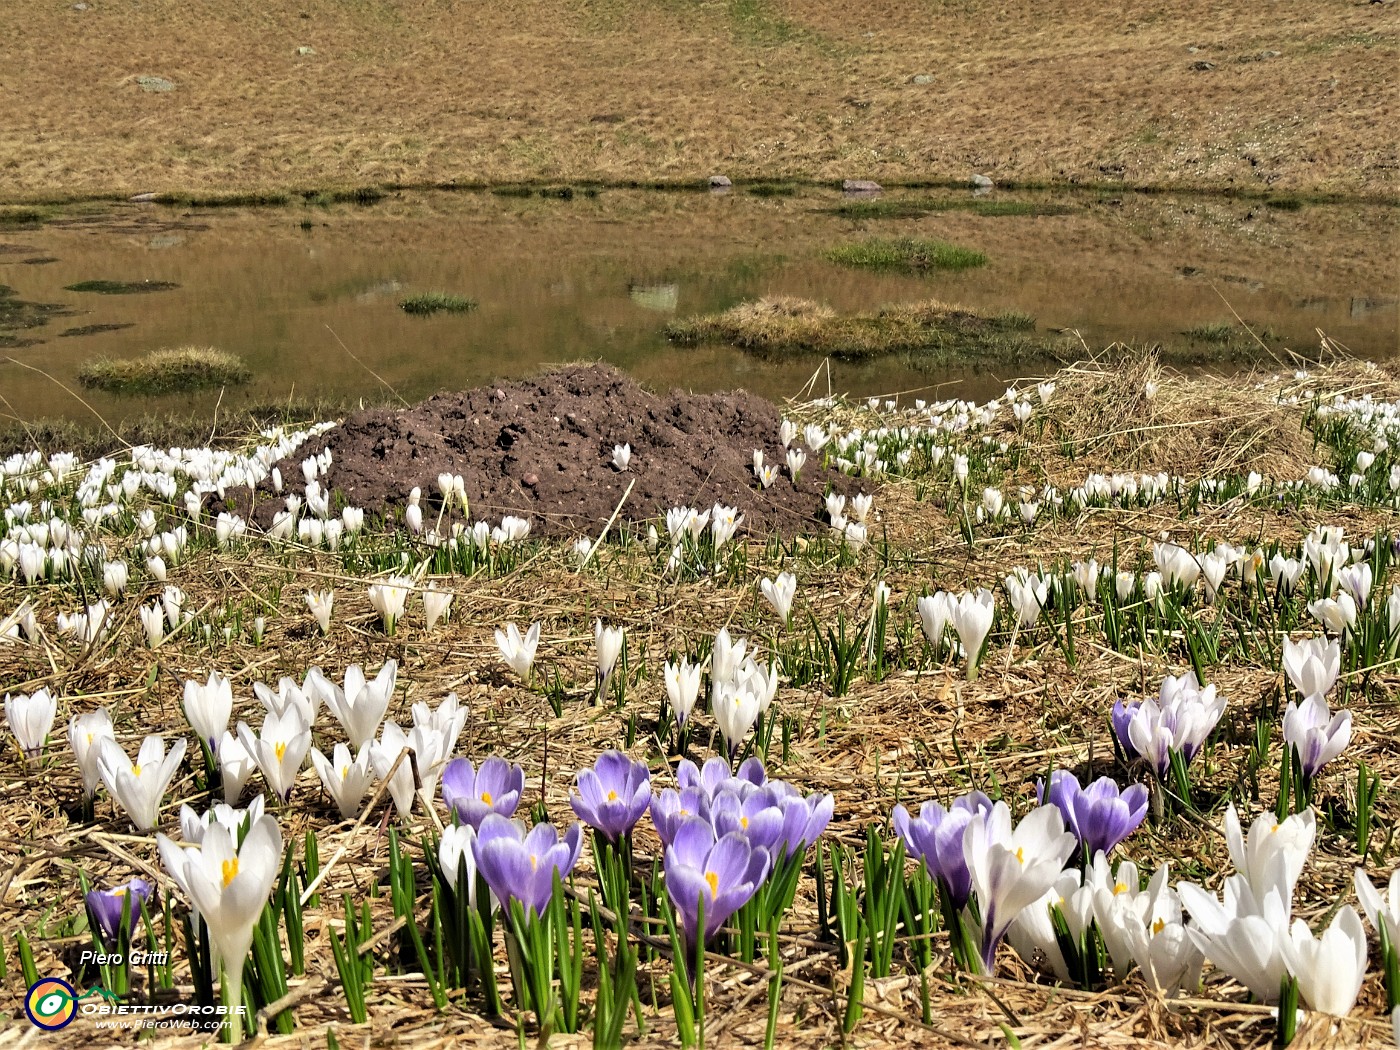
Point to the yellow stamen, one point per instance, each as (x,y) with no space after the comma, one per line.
(486,797)
(1158,926)
(1021,854)
(89,740)
(281,749)
(612,796)
(744,823)
(1120,887)
(230,870)
(136,769)
(534,862)
(344,772)
(713,880)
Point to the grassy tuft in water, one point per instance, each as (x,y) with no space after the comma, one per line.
(917,207)
(906,255)
(165,371)
(927,332)
(120,287)
(434,302)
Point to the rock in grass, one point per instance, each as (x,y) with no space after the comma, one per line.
(159,84)
(720,182)
(982,182)
(860,186)
(434,302)
(165,371)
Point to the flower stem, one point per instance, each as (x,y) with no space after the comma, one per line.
(231,995)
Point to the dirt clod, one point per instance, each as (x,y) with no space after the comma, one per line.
(543,448)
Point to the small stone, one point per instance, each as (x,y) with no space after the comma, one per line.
(982,182)
(142,198)
(530,480)
(922,78)
(720,182)
(306,50)
(1264,56)
(860,186)
(500,394)
(80,7)
(155,84)
(1202,66)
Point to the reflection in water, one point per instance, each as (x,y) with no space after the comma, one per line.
(597,278)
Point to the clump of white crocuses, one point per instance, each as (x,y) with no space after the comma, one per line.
(780,593)
(30,717)
(138,787)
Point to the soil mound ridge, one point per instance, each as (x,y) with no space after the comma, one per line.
(542,448)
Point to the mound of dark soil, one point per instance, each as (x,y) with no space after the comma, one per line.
(542,448)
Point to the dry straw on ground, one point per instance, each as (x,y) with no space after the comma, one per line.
(327,94)
(912,736)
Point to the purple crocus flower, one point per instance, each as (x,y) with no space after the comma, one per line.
(804,820)
(715,776)
(756,817)
(671,808)
(936,837)
(1122,717)
(1099,815)
(106,906)
(722,871)
(475,793)
(520,864)
(612,796)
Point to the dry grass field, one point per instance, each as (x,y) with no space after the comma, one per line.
(1189,93)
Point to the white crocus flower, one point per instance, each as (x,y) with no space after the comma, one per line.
(430,751)
(780,593)
(85,736)
(345,779)
(236,767)
(435,606)
(457,858)
(280,749)
(30,717)
(1314,733)
(389,598)
(320,603)
(230,886)
(139,787)
(208,709)
(972,619)
(1243,935)
(682,687)
(1337,615)
(360,706)
(796,460)
(621,456)
(1330,968)
(1032,932)
(1273,854)
(518,651)
(1312,665)
(936,616)
(1145,927)
(304,699)
(449,718)
(1285,573)
(608,644)
(114,577)
(153,619)
(1383,909)
(735,713)
(1012,867)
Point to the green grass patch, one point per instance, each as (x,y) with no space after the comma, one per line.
(120,287)
(918,207)
(23,216)
(225,200)
(1284,203)
(771,189)
(928,332)
(1211,333)
(165,371)
(906,255)
(436,302)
